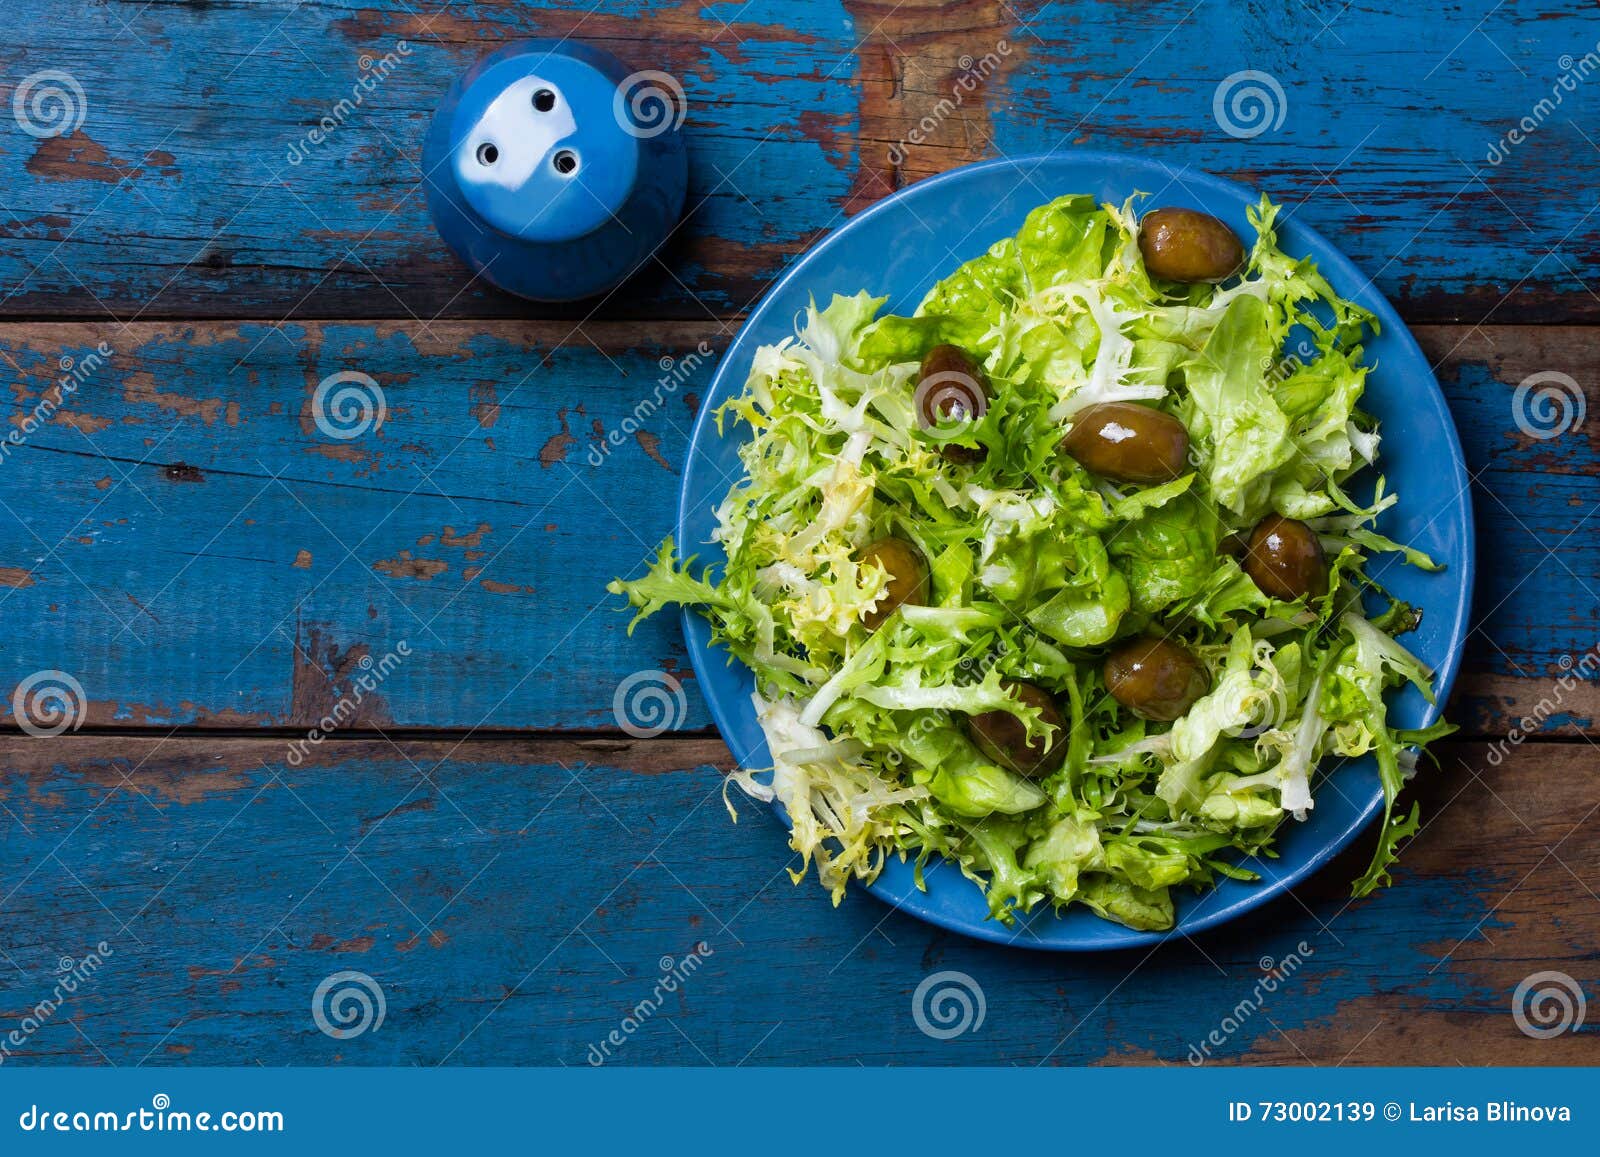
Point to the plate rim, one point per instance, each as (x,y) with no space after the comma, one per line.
(1112,936)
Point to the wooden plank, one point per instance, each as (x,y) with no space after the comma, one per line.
(184,539)
(176,196)
(1383,126)
(516,900)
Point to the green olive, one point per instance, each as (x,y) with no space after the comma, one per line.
(908,577)
(1126,442)
(1155,679)
(1003,738)
(952,387)
(1285,559)
(1185,245)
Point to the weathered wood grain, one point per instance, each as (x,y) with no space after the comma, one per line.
(515,900)
(183,538)
(177,196)
(1375,122)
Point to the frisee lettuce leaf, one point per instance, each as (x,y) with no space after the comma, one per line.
(1037,568)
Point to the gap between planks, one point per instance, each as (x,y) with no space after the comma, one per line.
(705,747)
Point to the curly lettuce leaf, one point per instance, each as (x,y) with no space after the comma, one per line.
(1036,568)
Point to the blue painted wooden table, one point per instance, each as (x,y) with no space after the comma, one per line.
(206,210)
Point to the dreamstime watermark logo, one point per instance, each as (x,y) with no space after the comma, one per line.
(374,71)
(1574,674)
(74,372)
(674,372)
(1573,73)
(348,404)
(649,103)
(647,703)
(1269,712)
(974,72)
(1249,103)
(974,671)
(1274,974)
(48,703)
(348,1004)
(952,395)
(948,1004)
(926,723)
(1547,1004)
(49,104)
(1279,368)
(1548,404)
(70,976)
(369,676)
(674,974)
(160,1117)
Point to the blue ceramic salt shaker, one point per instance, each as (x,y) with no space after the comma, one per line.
(553,171)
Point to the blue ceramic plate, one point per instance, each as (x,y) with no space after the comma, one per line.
(900,247)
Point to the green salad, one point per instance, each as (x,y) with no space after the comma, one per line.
(1060,578)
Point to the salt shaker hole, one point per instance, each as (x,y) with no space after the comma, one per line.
(566,161)
(487,153)
(544,100)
